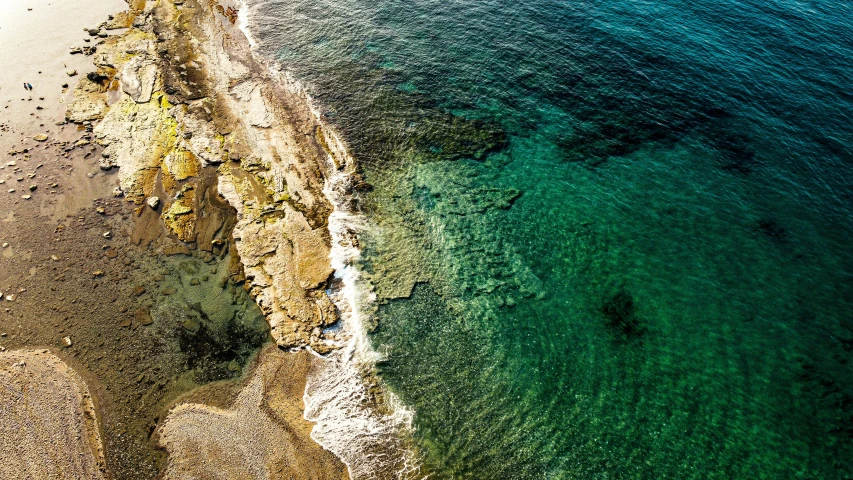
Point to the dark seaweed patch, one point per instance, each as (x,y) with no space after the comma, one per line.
(771,229)
(620,313)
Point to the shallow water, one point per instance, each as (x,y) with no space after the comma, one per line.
(628,224)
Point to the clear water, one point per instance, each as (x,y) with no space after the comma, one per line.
(612,238)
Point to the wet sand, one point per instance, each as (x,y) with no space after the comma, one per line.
(143,317)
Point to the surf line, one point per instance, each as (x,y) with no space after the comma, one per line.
(367,427)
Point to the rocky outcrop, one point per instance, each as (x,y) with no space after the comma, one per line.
(190,97)
(138,78)
(88,103)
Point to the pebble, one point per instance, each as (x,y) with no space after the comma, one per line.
(101,210)
(71,73)
(55,258)
(153,202)
(108,234)
(117,192)
(5,244)
(27,197)
(67,341)
(98,273)
(11,298)
(41,137)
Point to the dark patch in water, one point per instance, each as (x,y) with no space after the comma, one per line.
(771,229)
(620,312)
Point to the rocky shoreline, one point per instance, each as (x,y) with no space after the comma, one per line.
(204,201)
(191,97)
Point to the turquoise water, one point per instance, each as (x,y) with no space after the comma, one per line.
(612,238)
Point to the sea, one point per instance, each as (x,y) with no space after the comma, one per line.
(602,239)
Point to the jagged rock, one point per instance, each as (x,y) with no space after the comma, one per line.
(88,103)
(153,202)
(137,137)
(180,217)
(138,78)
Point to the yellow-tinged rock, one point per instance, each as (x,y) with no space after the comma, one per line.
(180,217)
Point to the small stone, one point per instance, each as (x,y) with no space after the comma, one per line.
(138,290)
(64,85)
(107,234)
(71,73)
(55,258)
(98,273)
(11,298)
(125,323)
(118,192)
(66,341)
(191,325)
(27,197)
(143,317)
(101,210)
(233,366)
(153,202)
(168,291)
(33,188)
(194,282)
(41,137)
(5,244)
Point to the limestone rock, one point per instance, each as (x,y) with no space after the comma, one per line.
(138,78)
(180,217)
(88,103)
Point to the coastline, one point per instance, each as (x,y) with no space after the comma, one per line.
(177,123)
(179,111)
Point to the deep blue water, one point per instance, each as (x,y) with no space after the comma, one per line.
(613,239)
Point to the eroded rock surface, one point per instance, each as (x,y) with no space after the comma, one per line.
(186,94)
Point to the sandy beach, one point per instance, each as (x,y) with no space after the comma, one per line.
(153,292)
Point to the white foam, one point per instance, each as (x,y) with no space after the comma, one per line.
(370,433)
